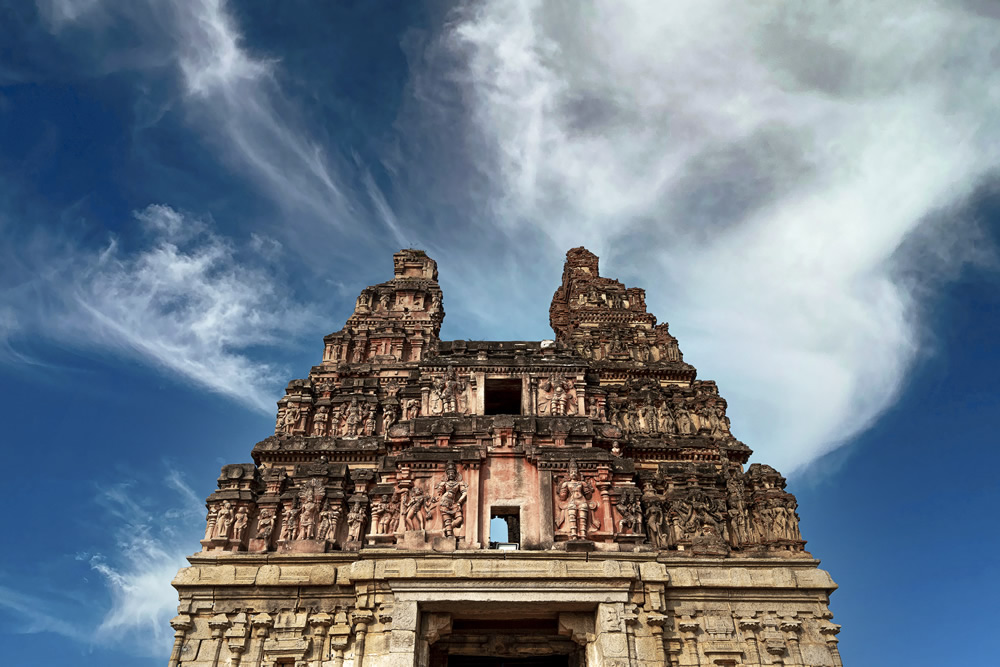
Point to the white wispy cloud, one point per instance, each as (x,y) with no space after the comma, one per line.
(182,299)
(152,533)
(151,544)
(767,171)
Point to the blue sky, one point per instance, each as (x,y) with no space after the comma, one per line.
(193,192)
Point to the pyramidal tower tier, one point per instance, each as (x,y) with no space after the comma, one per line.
(581,501)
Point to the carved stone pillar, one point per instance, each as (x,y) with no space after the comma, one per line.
(181,624)
(657,624)
(261,627)
(792,628)
(339,637)
(362,618)
(689,628)
(218,624)
(830,632)
(320,624)
(749,627)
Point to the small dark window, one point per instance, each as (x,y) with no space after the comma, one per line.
(503,396)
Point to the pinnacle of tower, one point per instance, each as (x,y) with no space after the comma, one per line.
(605,321)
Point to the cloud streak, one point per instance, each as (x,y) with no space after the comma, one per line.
(150,547)
(767,172)
(184,299)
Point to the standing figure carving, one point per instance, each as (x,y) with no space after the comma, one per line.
(210,521)
(224,520)
(320,420)
(411,409)
(291,418)
(355,522)
(653,503)
(381,515)
(684,425)
(559,393)
(630,511)
(326,522)
(417,510)
(369,423)
(448,393)
(352,418)
(289,524)
(451,494)
(240,525)
(307,520)
(390,414)
(265,525)
(576,512)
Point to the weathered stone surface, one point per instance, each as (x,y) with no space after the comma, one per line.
(361,532)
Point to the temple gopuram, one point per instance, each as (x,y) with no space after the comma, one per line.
(581,501)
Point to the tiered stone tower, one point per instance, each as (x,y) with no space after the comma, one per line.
(361,533)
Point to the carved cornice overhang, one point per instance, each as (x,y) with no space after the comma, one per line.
(311,447)
(619,372)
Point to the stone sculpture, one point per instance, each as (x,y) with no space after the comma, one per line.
(451,495)
(576,512)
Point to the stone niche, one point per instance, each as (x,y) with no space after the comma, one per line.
(359,534)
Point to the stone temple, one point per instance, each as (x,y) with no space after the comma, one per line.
(365,532)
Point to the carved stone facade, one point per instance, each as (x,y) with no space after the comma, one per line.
(360,534)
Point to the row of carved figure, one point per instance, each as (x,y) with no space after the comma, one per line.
(373,300)
(347,420)
(413,507)
(636,351)
(661,416)
(671,521)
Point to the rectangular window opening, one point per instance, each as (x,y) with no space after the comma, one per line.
(509,518)
(503,396)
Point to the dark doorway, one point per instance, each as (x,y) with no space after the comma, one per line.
(480,661)
(503,396)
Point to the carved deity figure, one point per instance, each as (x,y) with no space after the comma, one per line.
(411,409)
(559,394)
(448,393)
(646,417)
(355,522)
(240,525)
(630,511)
(381,515)
(224,520)
(328,520)
(684,425)
(352,418)
(435,302)
(289,524)
(664,418)
(417,510)
(576,512)
(210,521)
(320,420)
(451,494)
(721,422)
(390,414)
(290,421)
(595,409)
(383,301)
(369,423)
(265,525)
(653,502)
(307,520)
(335,419)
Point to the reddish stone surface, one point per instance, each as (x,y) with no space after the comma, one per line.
(603,439)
